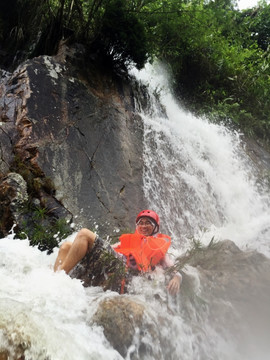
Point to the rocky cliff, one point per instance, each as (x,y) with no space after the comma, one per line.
(70,130)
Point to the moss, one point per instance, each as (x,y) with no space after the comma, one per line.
(35,221)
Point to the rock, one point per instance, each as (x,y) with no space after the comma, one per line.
(14,354)
(13,195)
(230,290)
(126,322)
(119,318)
(79,130)
(19,186)
(3,355)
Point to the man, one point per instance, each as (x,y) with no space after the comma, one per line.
(141,251)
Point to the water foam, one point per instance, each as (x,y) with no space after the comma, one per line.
(46,311)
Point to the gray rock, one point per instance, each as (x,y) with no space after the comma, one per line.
(119,318)
(13,196)
(125,322)
(75,126)
(232,297)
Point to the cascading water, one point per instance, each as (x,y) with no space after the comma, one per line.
(198,176)
(201,182)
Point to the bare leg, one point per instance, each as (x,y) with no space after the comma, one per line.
(71,253)
(63,251)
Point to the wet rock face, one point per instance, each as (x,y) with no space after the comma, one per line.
(69,123)
(231,297)
(13,195)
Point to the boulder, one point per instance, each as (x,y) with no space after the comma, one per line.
(13,195)
(66,121)
(119,318)
(126,322)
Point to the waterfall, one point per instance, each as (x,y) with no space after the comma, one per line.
(198,177)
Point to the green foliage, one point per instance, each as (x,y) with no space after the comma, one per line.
(115,271)
(122,36)
(196,250)
(41,229)
(37,222)
(108,28)
(218,55)
(220,67)
(256,21)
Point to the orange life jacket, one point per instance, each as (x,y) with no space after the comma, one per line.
(147,250)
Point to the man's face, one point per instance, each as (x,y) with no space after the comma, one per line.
(145,226)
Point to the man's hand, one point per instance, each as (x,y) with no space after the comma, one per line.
(174,284)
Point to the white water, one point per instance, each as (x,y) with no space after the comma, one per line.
(49,313)
(198,176)
(200,180)
(48,310)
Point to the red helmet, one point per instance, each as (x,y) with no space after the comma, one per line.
(150,214)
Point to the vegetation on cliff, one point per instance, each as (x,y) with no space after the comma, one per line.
(218,55)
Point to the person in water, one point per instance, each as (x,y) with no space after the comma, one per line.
(141,251)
